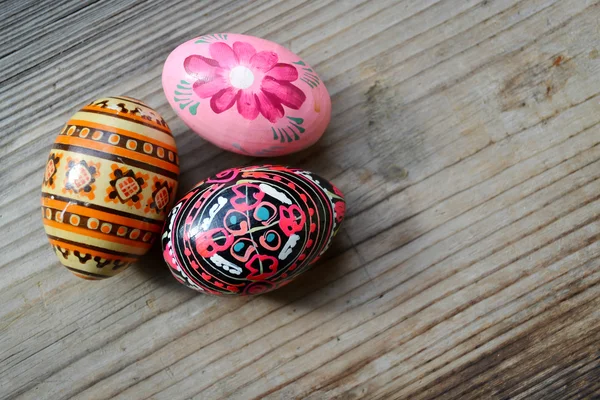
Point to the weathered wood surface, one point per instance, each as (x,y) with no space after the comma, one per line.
(465,134)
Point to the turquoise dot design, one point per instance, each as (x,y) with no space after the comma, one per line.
(263,214)
(182,96)
(238,246)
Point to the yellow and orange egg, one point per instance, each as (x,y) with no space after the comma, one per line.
(109,182)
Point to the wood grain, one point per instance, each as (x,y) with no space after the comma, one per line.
(466,136)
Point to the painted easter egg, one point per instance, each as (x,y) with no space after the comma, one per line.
(246,94)
(109,183)
(251,230)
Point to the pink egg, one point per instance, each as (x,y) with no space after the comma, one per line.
(246,94)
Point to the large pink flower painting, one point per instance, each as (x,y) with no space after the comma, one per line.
(255,81)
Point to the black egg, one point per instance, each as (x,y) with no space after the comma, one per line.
(251,230)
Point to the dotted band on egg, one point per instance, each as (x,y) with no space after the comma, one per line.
(143,152)
(122,140)
(98,225)
(125,218)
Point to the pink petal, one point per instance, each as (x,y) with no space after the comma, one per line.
(288,94)
(247,105)
(223,54)
(199,67)
(283,72)
(244,52)
(269,106)
(208,88)
(264,60)
(224,100)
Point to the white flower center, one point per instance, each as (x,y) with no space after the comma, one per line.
(241,77)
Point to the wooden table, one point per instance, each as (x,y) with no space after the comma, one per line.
(465,134)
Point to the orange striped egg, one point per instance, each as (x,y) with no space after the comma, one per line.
(109,182)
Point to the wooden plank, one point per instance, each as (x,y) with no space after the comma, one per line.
(466,136)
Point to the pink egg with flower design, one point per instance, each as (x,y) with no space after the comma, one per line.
(246,94)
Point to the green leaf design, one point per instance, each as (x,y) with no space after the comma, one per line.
(212,37)
(282,134)
(296,137)
(309,83)
(312,77)
(282,131)
(300,129)
(194,109)
(185,100)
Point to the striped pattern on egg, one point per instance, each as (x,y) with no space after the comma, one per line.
(110,180)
